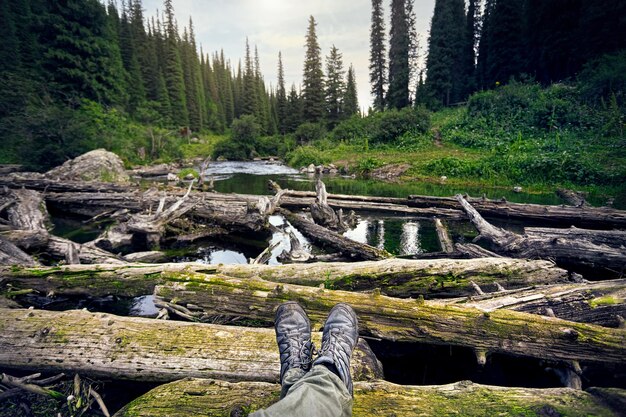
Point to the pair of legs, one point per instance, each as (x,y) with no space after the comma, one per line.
(320,387)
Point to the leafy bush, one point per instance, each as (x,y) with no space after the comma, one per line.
(275,145)
(186,171)
(353,129)
(391,124)
(309,132)
(368,164)
(306,155)
(243,141)
(604,77)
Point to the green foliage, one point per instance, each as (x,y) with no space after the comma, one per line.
(243,140)
(392,124)
(188,171)
(275,145)
(603,78)
(368,164)
(306,155)
(308,132)
(313,77)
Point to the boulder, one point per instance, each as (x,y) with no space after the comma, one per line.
(98,165)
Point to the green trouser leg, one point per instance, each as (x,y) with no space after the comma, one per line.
(319,393)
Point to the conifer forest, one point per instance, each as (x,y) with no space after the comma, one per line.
(454,170)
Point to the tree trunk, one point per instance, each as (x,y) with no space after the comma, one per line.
(195,397)
(335,241)
(395,277)
(108,346)
(612,238)
(444,238)
(567,253)
(407,320)
(602,303)
(12,255)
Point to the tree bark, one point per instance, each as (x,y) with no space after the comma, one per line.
(394,319)
(612,238)
(335,241)
(602,303)
(195,397)
(444,238)
(108,346)
(395,277)
(12,255)
(567,253)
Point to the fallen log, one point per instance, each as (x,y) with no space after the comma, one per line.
(395,319)
(335,241)
(602,303)
(612,238)
(17,181)
(12,255)
(195,397)
(567,253)
(444,237)
(395,277)
(108,346)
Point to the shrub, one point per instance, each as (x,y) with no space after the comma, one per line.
(604,77)
(391,124)
(368,164)
(275,145)
(309,132)
(353,129)
(243,140)
(186,171)
(306,155)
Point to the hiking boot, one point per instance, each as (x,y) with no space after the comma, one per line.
(293,336)
(341,333)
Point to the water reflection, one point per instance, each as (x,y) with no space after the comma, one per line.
(409,240)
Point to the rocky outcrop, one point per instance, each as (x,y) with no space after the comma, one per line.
(98,165)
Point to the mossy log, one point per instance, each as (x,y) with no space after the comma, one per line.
(566,252)
(602,303)
(200,397)
(108,346)
(395,277)
(395,319)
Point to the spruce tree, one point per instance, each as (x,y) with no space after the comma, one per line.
(472,32)
(250,90)
(507,56)
(10,46)
(350,99)
(444,76)
(378,59)
(414,46)
(281,98)
(485,47)
(399,45)
(294,110)
(173,70)
(335,87)
(263,114)
(313,78)
(128,49)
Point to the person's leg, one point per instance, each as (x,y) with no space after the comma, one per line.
(320,393)
(326,391)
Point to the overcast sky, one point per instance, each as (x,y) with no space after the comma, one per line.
(280,25)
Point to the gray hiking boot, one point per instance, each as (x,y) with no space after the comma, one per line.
(293,335)
(341,333)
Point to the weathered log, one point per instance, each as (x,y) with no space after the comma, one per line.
(395,277)
(444,237)
(601,303)
(395,319)
(12,255)
(18,181)
(195,397)
(321,212)
(335,241)
(475,251)
(572,197)
(569,253)
(108,346)
(612,238)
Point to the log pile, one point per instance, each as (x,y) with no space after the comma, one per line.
(512,299)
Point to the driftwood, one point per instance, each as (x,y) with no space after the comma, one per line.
(444,238)
(108,346)
(394,319)
(395,277)
(12,255)
(612,238)
(602,303)
(195,397)
(474,251)
(568,253)
(335,241)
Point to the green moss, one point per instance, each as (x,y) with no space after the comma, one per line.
(603,301)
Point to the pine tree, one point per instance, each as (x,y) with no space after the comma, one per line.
(507,56)
(128,49)
(250,91)
(263,104)
(414,48)
(145,50)
(472,32)
(10,57)
(444,76)
(350,99)
(173,70)
(335,87)
(281,98)
(485,47)
(378,60)
(313,77)
(79,67)
(399,45)
(294,110)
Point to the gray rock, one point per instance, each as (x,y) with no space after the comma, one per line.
(98,165)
